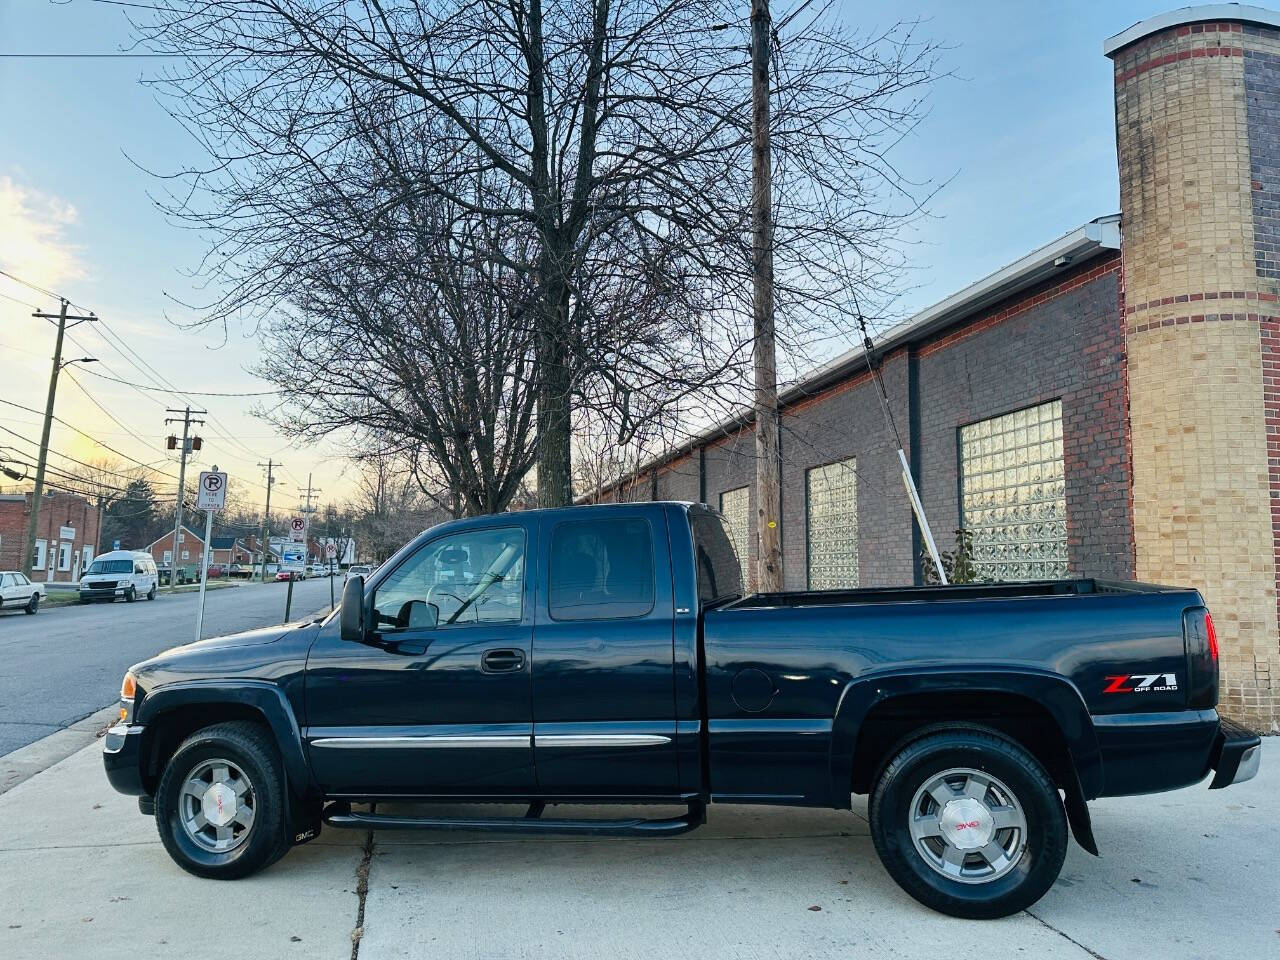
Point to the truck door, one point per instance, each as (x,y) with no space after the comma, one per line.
(436,702)
(603,670)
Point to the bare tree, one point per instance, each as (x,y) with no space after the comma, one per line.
(613,135)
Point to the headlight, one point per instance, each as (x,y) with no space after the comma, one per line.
(128,691)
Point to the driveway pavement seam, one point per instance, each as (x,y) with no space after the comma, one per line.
(362,892)
(1065,936)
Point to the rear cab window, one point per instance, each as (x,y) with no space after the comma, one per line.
(601,569)
(718,570)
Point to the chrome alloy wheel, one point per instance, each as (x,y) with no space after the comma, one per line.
(968,826)
(216,805)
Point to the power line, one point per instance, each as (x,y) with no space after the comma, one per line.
(184,393)
(24,303)
(91,438)
(150,373)
(65,456)
(32,286)
(111,416)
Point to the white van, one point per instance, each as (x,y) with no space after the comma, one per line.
(121,573)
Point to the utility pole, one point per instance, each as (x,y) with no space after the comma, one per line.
(182,483)
(33,518)
(306,512)
(266,514)
(769,563)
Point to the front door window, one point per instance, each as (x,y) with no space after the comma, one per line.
(470,578)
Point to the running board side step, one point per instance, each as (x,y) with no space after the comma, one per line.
(637,827)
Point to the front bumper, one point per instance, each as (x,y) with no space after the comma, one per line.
(110,593)
(122,758)
(1237,755)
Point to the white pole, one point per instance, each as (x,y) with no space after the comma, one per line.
(918,507)
(204,572)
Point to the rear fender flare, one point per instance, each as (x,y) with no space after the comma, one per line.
(262,696)
(1056,694)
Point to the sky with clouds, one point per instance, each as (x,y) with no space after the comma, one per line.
(1020,137)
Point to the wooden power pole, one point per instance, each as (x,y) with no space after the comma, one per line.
(271,466)
(33,518)
(769,562)
(187,447)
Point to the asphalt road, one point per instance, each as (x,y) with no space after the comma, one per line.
(66,662)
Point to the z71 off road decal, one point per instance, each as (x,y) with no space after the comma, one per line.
(1141,683)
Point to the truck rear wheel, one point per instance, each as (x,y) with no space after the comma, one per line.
(220,805)
(969,823)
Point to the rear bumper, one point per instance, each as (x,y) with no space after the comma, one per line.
(1237,755)
(122,758)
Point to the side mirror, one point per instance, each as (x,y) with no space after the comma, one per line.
(418,615)
(351,616)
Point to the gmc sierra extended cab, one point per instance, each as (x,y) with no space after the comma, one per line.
(606,655)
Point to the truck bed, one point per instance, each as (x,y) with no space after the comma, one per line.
(935,594)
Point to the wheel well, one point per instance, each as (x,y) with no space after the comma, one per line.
(174,726)
(894,723)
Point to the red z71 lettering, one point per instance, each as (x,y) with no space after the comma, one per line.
(1146,682)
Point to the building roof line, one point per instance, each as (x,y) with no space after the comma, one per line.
(1062,253)
(169,533)
(1201,13)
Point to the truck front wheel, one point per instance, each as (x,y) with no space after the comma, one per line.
(220,805)
(969,823)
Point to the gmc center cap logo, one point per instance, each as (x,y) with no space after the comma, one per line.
(1141,683)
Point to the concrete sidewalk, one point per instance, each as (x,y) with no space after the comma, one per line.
(82,875)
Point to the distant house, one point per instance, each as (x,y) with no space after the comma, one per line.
(190,546)
(222,550)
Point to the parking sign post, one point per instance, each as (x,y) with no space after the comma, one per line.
(330,551)
(211,497)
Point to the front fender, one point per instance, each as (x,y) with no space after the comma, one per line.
(262,696)
(1054,693)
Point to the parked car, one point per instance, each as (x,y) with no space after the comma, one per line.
(240,571)
(284,575)
(317,569)
(607,652)
(357,570)
(120,573)
(216,570)
(18,591)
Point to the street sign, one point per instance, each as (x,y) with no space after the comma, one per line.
(298,529)
(211,495)
(211,491)
(330,550)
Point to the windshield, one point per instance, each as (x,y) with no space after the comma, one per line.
(111,566)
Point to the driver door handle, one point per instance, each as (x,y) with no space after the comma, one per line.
(506,660)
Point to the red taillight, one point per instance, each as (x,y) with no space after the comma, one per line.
(1212,635)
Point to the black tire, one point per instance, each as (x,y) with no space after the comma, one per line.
(33,604)
(247,746)
(1034,869)
(151,594)
(130,595)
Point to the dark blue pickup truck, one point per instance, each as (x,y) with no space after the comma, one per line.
(606,655)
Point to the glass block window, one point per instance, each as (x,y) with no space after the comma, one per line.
(1014,496)
(736,507)
(831,523)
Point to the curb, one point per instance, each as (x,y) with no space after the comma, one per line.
(25,762)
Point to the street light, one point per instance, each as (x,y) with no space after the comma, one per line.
(67,363)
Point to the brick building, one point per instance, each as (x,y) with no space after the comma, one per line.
(1106,406)
(190,548)
(66,534)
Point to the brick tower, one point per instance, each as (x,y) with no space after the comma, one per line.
(1198,140)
